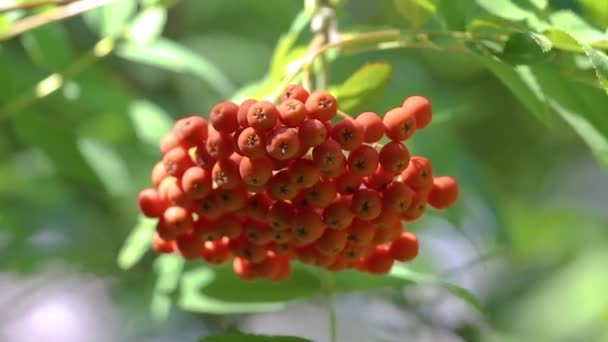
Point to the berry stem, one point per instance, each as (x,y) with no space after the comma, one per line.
(344,115)
(328,283)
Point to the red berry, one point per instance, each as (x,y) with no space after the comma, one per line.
(397,197)
(150,203)
(223,117)
(158,173)
(363,161)
(404,248)
(190,131)
(178,219)
(399,124)
(312,133)
(292,113)
(255,171)
(366,204)
(394,157)
(250,143)
(379,262)
(241,114)
(262,116)
(177,161)
(189,246)
(419,174)
(219,145)
(168,142)
(196,182)
(160,245)
(283,143)
(420,107)
(303,173)
(348,133)
(226,174)
(373,128)
(347,183)
(281,215)
(444,192)
(379,179)
(321,105)
(295,91)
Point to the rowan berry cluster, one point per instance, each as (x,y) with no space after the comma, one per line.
(264,185)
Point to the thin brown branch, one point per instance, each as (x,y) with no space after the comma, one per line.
(56,14)
(33,4)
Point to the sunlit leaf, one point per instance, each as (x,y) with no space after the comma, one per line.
(417,12)
(137,243)
(172,56)
(364,87)
(526,48)
(149,121)
(596,11)
(109,20)
(148,25)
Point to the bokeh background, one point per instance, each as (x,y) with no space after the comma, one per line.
(81,113)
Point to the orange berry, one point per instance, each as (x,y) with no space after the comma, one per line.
(286,249)
(175,195)
(303,173)
(230,226)
(284,270)
(307,227)
(177,161)
(386,235)
(332,241)
(219,145)
(241,114)
(373,128)
(327,155)
(150,203)
(360,232)
(347,183)
(311,256)
(283,143)
(231,199)
(292,112)
(223,117)
(216,252)
(242,269)
(379,262)
(281,215)
(262,116)
(397,197)
(363,160)
(348,133)
(340,263)
(405,247)
(165,231)
(207,230)
(226,174)
(399,124)
(279,187)
(280,236)
(270,267)
(295,91)
(386,219)
(444,192)
(353,251)
(202,158)
(190,131)
(255,171)
(158,173)
(419,174)
(161,246)
(257,206)
(257,232)
(312,133)
(250,143)
(168,142)
(178,219)
(321,194)
(420,107)
(379,179)
(248,251)
(394,157)
(338,215)
(189,246)
(321,105)
(209,207)
(196,182)
(366,204)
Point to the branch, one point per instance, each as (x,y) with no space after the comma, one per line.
(33,4)
(56,14)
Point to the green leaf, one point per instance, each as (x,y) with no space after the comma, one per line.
(417,12)
(109,20)
(599,60)
(581,107)
(172,56)
(523,85)
(108,165)
(169,269)
(401,272)
(149,121)
(284,52)
(526,48)
(575,26)
(148,25)
(596,11)
(505,9)
(48,46)
(363,88)
(57,141)
(252,338)
(137,243)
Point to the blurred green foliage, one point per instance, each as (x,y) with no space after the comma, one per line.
(518,89)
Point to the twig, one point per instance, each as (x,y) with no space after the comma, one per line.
(33,4)
(56,14)
(328,283)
